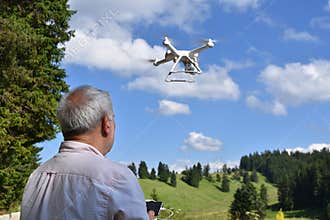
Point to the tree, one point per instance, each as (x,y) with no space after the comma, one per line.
(218,178)
(264,195)
(192,176)
(206,171)
(285,194)
(163,172)
(31,47)
(210,178)
(236,176)
(245,202)
(246,178)
(132,167)
(254,176)
(173,179)
(225,183)
(199,170)
(224,168)
(143,170)
(153,174)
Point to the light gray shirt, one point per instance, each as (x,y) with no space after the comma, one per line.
(80,183)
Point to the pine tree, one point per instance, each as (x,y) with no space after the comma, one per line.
(143,170)
(218,178)
(210,178)
(195,177)
(163,172)
(224,168)
(192,176)
(246,178)
(264,195)
(225,183)
(254,176)
(285,193)
(245,202)
(199,170)
(132,167)
(173,179)
(31,83)
(153,174)
(237,176)
(206,171)
(262,201)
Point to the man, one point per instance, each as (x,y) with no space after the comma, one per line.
(79,182)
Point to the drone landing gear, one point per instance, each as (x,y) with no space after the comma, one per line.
(172,77)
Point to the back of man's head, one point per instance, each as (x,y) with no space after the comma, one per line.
(82,109)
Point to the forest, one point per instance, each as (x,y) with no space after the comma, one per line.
(303,179)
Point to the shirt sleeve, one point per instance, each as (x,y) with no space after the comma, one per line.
(128,197)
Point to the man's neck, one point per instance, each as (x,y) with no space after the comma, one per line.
(87,139)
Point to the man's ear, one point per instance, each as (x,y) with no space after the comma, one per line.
(106,127)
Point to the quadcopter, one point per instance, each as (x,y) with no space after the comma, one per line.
(189,59)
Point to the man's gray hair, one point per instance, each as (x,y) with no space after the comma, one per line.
(82,109)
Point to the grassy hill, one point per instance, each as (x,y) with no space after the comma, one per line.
(206,202)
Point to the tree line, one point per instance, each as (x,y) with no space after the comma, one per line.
(164,174)
(191,175)
(303,179)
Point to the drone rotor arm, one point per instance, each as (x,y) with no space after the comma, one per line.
(197,50)
(168,44)
(158,62)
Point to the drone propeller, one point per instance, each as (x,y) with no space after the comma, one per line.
(205,41)
(163,36)
(150,60)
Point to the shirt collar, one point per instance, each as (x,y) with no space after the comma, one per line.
(67,146)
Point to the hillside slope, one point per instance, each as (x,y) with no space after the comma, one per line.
(205,202)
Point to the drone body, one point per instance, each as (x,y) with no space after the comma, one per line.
(189,59)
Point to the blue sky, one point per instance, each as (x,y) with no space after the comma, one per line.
(265,84)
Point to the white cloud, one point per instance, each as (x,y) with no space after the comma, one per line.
(291,34)
(239,5)
(236,65)
(259,54)
(321,22)
(200,142)
(167,107)
(310,148)
(181,165)
(275,107)
(212,84)
(297,83)
(266,19)
(184,14)
(218,165)
(125,58)
(293,85)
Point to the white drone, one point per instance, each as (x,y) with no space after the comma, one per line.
(189,59)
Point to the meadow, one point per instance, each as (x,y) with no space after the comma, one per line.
(206,202)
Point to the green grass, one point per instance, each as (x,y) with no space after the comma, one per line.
(205,202)
(208,201)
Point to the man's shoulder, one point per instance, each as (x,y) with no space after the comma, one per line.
(97,168)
